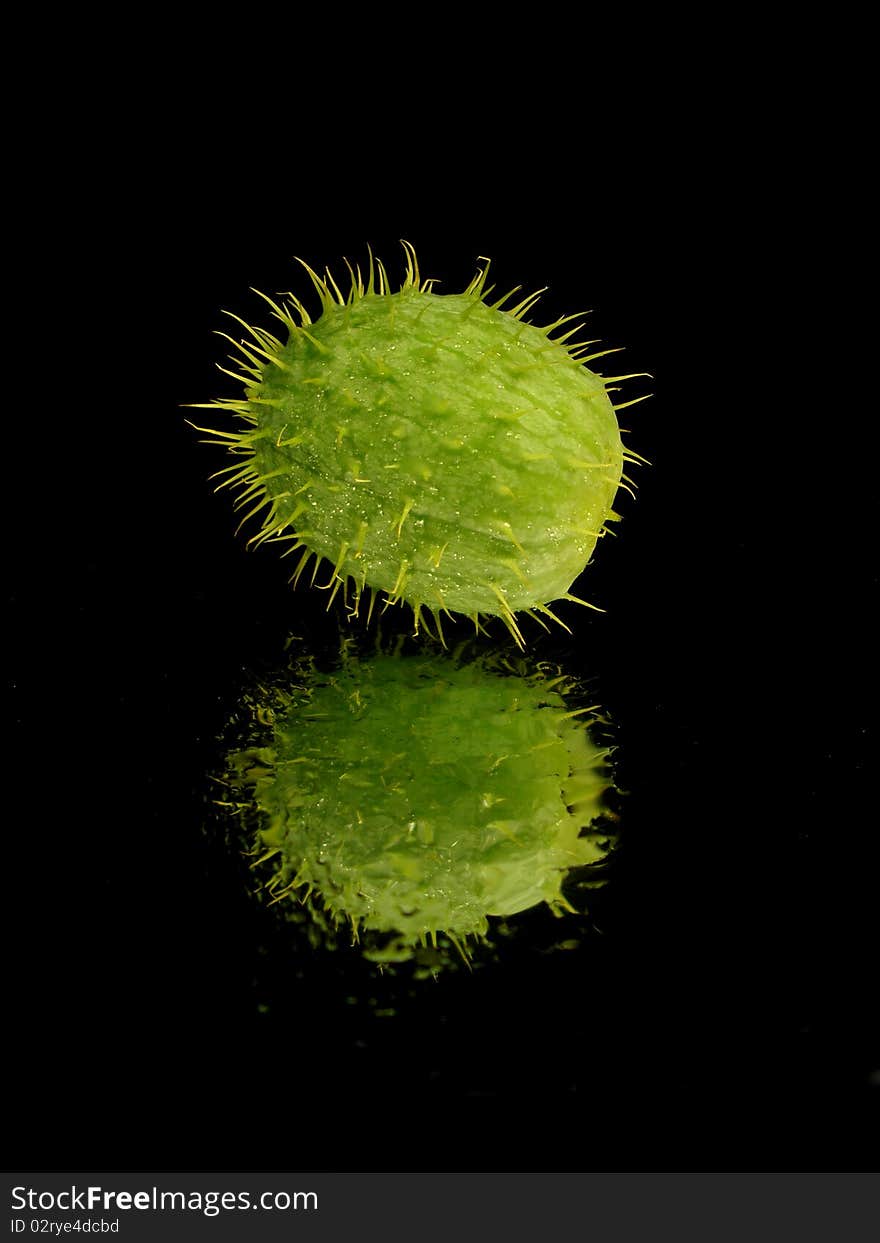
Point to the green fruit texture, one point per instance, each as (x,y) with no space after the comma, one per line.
(419,795)
(438,450)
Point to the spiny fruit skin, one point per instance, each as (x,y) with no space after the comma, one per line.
(419,795)
(436,449)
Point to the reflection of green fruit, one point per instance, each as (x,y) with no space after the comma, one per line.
(418,795)
(438,450)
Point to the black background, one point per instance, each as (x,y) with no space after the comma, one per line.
(720,1018)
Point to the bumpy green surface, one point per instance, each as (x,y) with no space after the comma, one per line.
(419,795)
(433,448)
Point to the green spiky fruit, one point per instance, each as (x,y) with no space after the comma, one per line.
(436,449)
(420,795)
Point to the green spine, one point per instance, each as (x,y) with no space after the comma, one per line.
(439,451)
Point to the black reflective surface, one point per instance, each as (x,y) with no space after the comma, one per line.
(717,1011)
